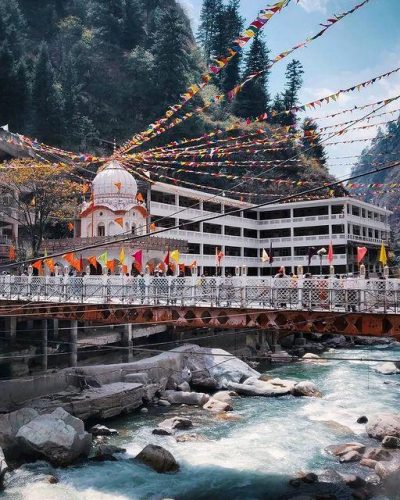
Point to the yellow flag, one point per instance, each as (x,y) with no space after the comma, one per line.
(122,256)
(382,255)
(175,256)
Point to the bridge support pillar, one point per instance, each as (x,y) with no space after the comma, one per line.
(55,329)
(73,353)
(126,341)
(44,344)
(299,340)
(11,329)
(275,347)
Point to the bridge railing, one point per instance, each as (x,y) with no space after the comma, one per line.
(331,294)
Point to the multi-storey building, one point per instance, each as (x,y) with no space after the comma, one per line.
(290,229)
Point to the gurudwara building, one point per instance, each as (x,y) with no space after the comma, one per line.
(118,208)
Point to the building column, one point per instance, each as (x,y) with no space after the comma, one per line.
(126,341)
(11,329)
(44,344)
(73,349)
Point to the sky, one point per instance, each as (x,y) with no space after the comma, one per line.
(363,45)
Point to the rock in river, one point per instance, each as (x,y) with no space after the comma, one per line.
(170,425)
(306,388)
(3,468)
(388,368)
(224,396)
(342,449)
(187,398)
(57,437)
(158,458)
(391,442)
(255,387)
(10,423)
(216,406)
(386,424)
(102,430)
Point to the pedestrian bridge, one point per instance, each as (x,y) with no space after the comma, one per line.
(352,306)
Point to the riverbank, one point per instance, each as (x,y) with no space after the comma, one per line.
(256,453)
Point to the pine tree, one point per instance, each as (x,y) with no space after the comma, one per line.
(22,97)
(210,14)
(312,145)
(294,82)
(133,31)
(172,55)
(254,99)
(7,81)
(232,28)
(47,101)
(278,106)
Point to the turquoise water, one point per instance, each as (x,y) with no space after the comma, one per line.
(252,457)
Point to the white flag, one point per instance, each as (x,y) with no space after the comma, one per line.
(5,127)
(265,256)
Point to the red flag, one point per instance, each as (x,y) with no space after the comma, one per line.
(111,265)
(361,253)
(330,254)
(70,226)
(93,261)
(11,253)
(218,256)
(37,265)
(138,256)
(120,221)
(167,260)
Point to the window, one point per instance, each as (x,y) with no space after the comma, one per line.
(101,230)
(163,222)
(250,214)
(250,252)
(210,249)
(209,206)
(193,248)
(275,214)
(363,213)
(233,251)
(280,252)
(356,230)
(184,201)
(211,228)
(133,229)
(311,230)
(356,211)
(159,197)
(250,233)
(338,229)
(189,225)
(310,211)
(275,233)
(232,231)
(230,209)
(337,209)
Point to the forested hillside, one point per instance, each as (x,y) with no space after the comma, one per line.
(79,73)
(384,149)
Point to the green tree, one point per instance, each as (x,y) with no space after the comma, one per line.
(232,27)
(312,144)
(294,82)
(21,94)
(254,99)
(47,101)
(7,81)
(173,56)
(210,13)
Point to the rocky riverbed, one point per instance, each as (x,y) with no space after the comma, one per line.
(290,432)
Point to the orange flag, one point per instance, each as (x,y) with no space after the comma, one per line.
(182,268)
(111,265)
(152,227)
(69,257)
(37,265)
(85,188)
(193,264)
(92,261)
(11,253)
(50,264)
(139,197)
(125,269)
(118,185)
(120,221)
(70,226)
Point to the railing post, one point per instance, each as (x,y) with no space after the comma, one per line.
(169,288)
(300,284)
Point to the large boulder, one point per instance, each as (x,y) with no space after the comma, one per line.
(216,406)
(224,396)
(200,381)
(388,368)
(57,437)
(102,430)
(158,458)
(107,452)
(306,388)
(10,424)
(255,387)
(387,424)
(311,356)
(391,442)
(187,398)
(3,468)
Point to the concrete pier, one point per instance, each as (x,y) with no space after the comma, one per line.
(44,343)
(73,356)
(126,341)
(11,329)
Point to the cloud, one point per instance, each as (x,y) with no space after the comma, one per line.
(314,5)
(191,12)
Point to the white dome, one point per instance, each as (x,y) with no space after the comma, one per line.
(114,187)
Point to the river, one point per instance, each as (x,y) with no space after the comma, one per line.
(251,457)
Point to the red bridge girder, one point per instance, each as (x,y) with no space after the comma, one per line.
(283,320)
